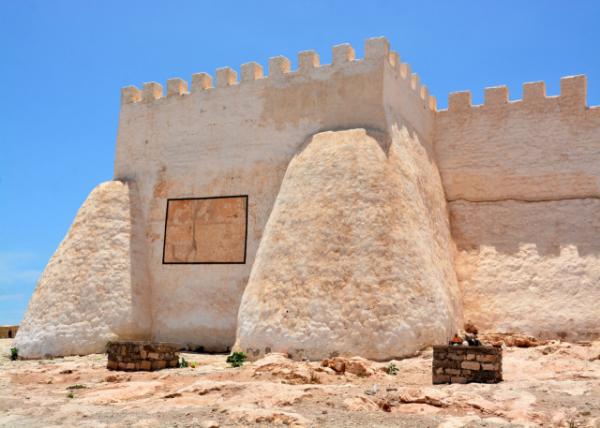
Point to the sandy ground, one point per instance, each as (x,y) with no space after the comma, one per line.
(556,384)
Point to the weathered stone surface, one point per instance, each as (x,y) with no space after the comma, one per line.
(234,140)
(85,297)
(355,365)
(206,230)
(356,255)
(530,267)
(522,178)
(533,151)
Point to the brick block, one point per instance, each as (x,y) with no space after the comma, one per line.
(437,379)
(456,357)
(489,366)
(470,365)
(158,364)
(487,358)
(485,376)
(450,364)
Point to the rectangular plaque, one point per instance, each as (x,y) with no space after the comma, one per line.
(206,230)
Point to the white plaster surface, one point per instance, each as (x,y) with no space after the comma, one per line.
(85,297)
(530,267)
(356,258)
(239,140)
(523,181)
(539,150)
(517,263)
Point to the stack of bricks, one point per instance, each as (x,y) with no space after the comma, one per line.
(141,356)
(466,364)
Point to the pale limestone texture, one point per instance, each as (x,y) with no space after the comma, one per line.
(206,230)
(238,139)
(85,296)
(530,267)
(535,149)
(522,179)
(523,182)
(356,256)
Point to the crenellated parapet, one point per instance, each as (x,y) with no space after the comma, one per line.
(235,132)
(377,50)
(573,96)
(537,148)
(501,149)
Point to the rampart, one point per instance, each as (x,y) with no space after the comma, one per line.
(229,137)
(522,179)
(535,149)
(200,167)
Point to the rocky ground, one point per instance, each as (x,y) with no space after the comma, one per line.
(553,384)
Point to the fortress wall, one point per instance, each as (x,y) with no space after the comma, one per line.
(412,110)
(523,183)
(234,139)
(535,149)
(530,267)
(357,252)
(86,297)
(360,266)
(408,104)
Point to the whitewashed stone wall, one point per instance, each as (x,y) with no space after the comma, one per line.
(356,255)
(237,138)
(85,297)
(523,183)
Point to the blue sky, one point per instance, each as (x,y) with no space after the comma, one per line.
(62,64)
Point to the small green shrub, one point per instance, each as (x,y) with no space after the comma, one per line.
(76,386)
(14,353)
(183,363)
(237,359)
(392,369)
(70,395)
